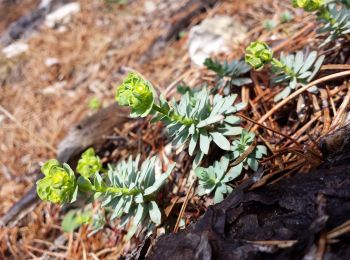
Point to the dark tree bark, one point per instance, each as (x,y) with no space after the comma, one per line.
(284,220)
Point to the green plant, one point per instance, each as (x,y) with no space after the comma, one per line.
(198,120)
(89,163)
(336,19)
(59,184)
(243,145)
(344,2)
(258,54)
(269,24)
(228,74)
(294,70)
(286,17)
(214,180)
(308,5)
(94,103)
(130,191)
(76,218)
(136,93)
(336,22)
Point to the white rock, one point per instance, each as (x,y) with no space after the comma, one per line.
(212,36)
(49,62)
(62,14)
(15,49)
(149,6)
(45,3)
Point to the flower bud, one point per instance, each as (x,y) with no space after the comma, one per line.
(258,54)
(89,163)
(58,185)
(308,5)
(136,93)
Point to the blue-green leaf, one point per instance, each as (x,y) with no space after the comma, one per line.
(154,212)
(221,141)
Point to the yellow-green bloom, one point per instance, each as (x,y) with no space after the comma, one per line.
(258,54)
(308,5)
(58,185)
(89,163)
(136,93)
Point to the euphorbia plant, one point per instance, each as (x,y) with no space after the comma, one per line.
(336,19)
(309,5)
(89,164)
(216,178)
(128,189)
(196,121)
(294,70)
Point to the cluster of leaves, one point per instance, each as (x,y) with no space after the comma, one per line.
(336,22)
(293,70)
(200,119)
(76,218)
(215,179)
(246,149)
(297,70)
(195,122)
(228,74)
(128,190)
(286,17)
(335,16)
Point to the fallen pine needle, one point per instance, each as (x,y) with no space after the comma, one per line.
(298,92)
(183,208)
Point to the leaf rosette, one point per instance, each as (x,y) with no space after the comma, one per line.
(241,146)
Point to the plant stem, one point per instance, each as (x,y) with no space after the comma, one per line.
(174,117)
(325,14)
(160,110)
(279,65)
(124,191)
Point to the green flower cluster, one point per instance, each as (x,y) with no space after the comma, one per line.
(58,185)
(308,5)
(89,163)
(137,93)
(258,54)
